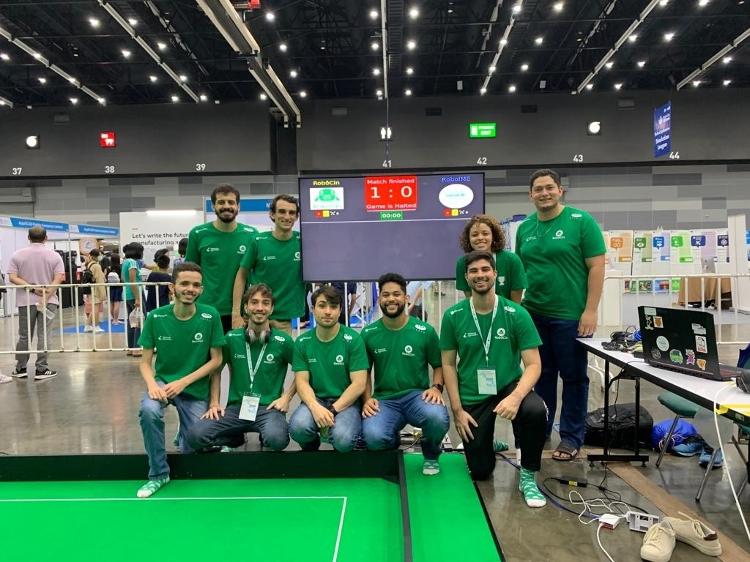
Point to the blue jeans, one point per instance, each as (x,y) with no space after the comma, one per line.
(381,431)
(230,430)
(561,354)
(343,435)
(189,410)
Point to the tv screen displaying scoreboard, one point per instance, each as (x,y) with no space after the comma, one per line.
(357,228)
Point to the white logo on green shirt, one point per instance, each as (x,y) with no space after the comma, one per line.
(408,351)
(241,249)
(420,328)
(501,281)
(469,335)
(501,334)
(269,358)
(339,360)
(212,249)
(347,337)
(559,235)
(278,338)
(206,315)
(509,309)
(198,337)
(296,256)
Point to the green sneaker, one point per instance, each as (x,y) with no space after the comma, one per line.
(500,446)
(430,468)
(151,487)
(527,486)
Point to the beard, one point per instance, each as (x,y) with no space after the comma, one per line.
(224,219)
(399,311)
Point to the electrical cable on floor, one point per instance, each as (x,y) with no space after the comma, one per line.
(599,540)
(726,464)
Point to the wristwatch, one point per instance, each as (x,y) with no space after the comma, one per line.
(438,386)
(331,409)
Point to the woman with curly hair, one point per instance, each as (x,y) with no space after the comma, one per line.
(484,233)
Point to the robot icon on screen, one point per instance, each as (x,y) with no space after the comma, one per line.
(327,196)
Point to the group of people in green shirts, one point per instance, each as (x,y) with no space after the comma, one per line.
(496,355)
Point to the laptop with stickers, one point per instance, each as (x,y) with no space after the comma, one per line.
(682,340)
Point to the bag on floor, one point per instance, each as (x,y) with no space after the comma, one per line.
(682,432)
(622,430)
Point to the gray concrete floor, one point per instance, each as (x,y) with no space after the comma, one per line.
(91,407)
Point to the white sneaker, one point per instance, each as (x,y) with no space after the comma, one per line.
(88,329)
(696,534)
(98,329)
(658,543)
(5,378)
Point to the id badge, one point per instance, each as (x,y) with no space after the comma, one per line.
(249,407)
(486,382)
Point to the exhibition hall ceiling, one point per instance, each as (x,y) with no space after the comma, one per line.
(84,52)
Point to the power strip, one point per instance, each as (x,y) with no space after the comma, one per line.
(609,520)
(640,522)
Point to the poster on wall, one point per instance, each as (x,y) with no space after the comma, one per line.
(620,249)
(157,229)
(682,251)
(722,246)
(663,130)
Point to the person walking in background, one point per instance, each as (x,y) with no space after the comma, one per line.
(112,274)
(131,276)
(95,293)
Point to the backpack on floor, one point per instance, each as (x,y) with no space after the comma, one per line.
(682,431)
(622,430)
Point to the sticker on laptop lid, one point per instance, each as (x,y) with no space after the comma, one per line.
(699,330)
(658,322)
(689,357)
(662,343)
(649,323)
(675,356)
(701,346)
(656,354)
(649,311)
(701,364)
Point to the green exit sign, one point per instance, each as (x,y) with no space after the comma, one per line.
(482,130)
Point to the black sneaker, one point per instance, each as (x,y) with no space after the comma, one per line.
(19,373)
(46,374)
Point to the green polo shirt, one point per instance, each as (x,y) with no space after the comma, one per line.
(513,331)
(269,380)
(400,358)
(330,363)
(182,346)
(554,254)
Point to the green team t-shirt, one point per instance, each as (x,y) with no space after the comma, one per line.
(400,357)
(330,363)
(512,332)
(510,274)
(219,254)
(182,346)
(127,265)
(277,263)
(269,380)
(554,253)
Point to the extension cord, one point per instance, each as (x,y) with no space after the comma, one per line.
(609,520)
(582,483)
(641,522)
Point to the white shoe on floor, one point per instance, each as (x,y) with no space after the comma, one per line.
(696,534)
(88,329)
(5,378)
(658,543)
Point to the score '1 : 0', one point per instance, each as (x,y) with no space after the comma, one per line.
(406,191)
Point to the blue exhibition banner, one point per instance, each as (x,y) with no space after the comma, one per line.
(18,222)
(99,230)
(663,130)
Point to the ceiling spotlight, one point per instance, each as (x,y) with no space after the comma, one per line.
(641,63)
(4,56)
(374,45)
(270,16)
(609,65)
(102,101)
(492,70)
(727,82)
(450,10)
(618,86)
(409,70)
(379,93)
(633,38)
(663,3)
(183,78)
(517,8)
(263,96)
(74,101)
(374,14)
(414,12)
(503,42)
(72,80)
(42,80)
(558,6)
(696,83)
(37,56)
(303,94)
(153,78)
(133,22)
(203,97)
(32,141)
(175,99)
(161,46)
(702,3)
(512,88)
(94,22)
(483,91)
(407,92)
(282,47)
(725,60)
(411,44)
(126,53)
(524,67)
(594,128)
(668,36)
(293,73)
(539,40)
(589,86)
(376,71)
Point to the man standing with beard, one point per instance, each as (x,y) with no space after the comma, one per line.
(258,357)
(187,338)
(400,348)
(492,335)
(274,259)
(218,247)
